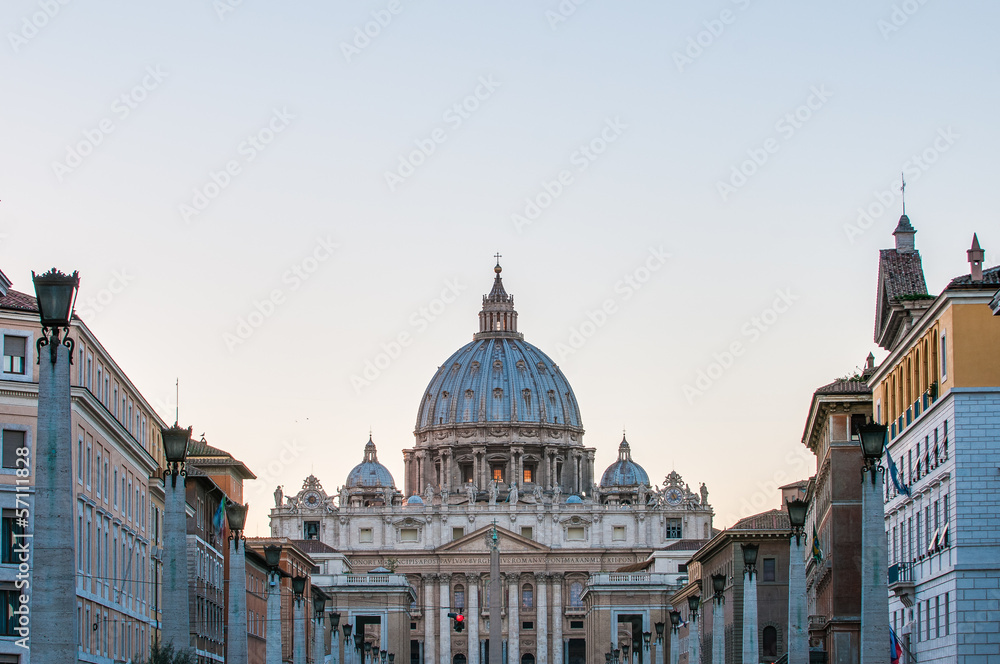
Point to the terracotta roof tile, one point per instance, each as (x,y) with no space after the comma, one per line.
(19,301)
(772,520)
(903,273)
(991,277)
(845,387)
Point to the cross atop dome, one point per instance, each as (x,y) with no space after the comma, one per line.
(498,318)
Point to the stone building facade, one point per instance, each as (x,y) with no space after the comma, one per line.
(499,442)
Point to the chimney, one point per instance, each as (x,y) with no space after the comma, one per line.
(904,236)
(976,255)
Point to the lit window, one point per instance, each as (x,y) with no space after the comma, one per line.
(529,475)
(13,354)
(498,474)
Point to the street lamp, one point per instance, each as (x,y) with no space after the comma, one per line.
(718,619)
(874,583)
(176,621)
(384,654)
(236,643)
(659,632)
(53,618)
(319,637)
(798,635)
(368,650)
(298,621)
(625,655)
(694,641)
(751,653)
(335,636)
(272,557)
(392,658)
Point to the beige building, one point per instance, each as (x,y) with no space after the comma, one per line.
(499,441)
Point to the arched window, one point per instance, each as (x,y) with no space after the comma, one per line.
(527,658)
(459,602)
(769,641)
(459,659)
(576,594)
(527,596)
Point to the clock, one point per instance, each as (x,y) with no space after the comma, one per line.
(311,499)
(674,496)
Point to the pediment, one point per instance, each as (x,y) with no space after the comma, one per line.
(477,542)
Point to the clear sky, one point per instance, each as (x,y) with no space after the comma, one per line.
(261,197)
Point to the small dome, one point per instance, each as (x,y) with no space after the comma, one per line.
(369,473)
(574,500)
(414,500)
(624,472)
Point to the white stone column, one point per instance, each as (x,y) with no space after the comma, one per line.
(675,646)
(429,616)
(299,629)
(874,567)
(513,620)
(472,601)
(445,621)
(557,618)
(694,640)
(718,632)
(751,653)
(542,613)
(273,651)
(236,631)
(53,619)
(176,619)
(319,639)
(798,632)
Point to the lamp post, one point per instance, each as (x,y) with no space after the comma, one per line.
(347,642)
(335,637)
(368,650)
(647,638)
(176,621)
(675,637)
(53,567)
(798,636)
(625,653)
(751,654)
(694,650)
(874,583)
(718,619)
(319,638)
(298,620)
(659,627)
(236,638)
(385,655)
(272,556)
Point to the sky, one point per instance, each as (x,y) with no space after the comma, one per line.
(293,208)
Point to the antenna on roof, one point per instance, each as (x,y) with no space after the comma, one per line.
(902,190)
(177,402)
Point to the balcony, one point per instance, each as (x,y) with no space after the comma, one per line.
(901,582)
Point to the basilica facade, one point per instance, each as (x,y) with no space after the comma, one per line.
(499,445)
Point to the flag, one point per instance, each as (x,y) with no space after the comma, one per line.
(894,474)
(219,519)
(895,649)
(817,552)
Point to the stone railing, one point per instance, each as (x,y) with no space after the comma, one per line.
(367,580)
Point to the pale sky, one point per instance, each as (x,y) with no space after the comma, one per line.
(194,160)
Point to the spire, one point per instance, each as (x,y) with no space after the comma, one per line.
(370,453)
(904,233)
(498,318)
(624,450)
(976,256)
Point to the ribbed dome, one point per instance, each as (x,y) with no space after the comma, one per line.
(498,379)
(624,472)
(369,473)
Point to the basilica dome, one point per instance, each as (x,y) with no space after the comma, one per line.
(369,473)
(624,471)
(498,377)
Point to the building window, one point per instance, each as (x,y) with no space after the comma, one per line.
(527,596)
(12,442)
(366,535)
(459,602)
(528,625)
(466,469)
(673,528)
(10,532)
(13,354)
(498,473)
(527,532)
(769,641)
(409,534)
(457,533)
(768,573)
(576,624)
(576,533)
(618,533)
(9,617)
(529,474)
(310,530)
(576,594)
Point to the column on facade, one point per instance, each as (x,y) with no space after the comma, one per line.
(445,621)
(472,614)
(513,619)
(408,472)
(236,641)
(299,630)
(542,613)
(273,648)
(694,640)
(874,593)
(750,651)
(429,617)
(319,639)
(557,618)
(675,646)
(718,632)
(798,635)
